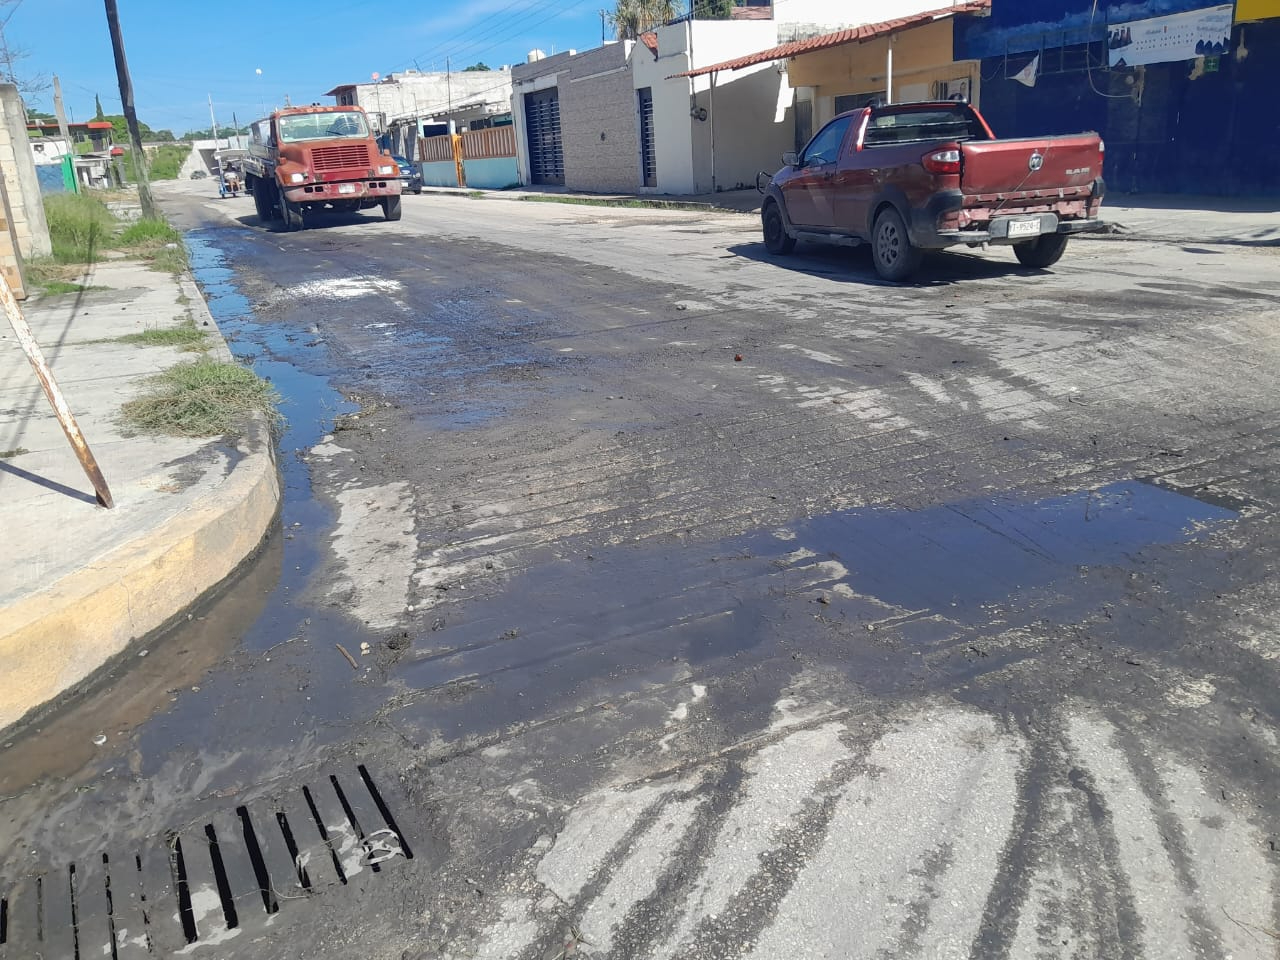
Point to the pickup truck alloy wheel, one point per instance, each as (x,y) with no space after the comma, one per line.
(1042,252)
(891,250)
(776,240)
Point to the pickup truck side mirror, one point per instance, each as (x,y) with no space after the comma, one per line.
(791,159)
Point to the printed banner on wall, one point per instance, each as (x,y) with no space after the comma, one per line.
(1183,36)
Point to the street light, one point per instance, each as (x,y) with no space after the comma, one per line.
(261,99)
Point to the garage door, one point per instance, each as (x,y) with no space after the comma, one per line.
(648,154)
(546,148)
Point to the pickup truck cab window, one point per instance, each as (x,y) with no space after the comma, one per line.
(825,147)
(957,123)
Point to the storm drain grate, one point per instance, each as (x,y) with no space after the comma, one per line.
(204,883)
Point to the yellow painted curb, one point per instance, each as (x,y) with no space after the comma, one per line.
(55,638)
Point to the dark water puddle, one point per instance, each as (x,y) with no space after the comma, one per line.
(306,685)
(964,555)
(581,624)
(207,685)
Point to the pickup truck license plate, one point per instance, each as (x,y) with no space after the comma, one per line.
(351,188)
(1025,228)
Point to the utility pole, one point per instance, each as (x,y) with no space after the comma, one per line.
(222,176)
(130,115)
(448,81)
(61,113)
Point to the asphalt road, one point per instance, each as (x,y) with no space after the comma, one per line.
(716,606)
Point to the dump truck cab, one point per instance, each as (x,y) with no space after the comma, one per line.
(303,159)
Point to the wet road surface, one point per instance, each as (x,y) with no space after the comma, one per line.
(942,624)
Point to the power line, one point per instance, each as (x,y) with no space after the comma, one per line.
(461,33)
(508,31)
(510,27)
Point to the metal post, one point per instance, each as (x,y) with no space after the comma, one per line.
(888,74)
(65,417)
(711,108)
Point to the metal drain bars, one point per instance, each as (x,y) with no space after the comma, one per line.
(205,883)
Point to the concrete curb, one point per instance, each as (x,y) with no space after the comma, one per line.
(582,200)
(56,638)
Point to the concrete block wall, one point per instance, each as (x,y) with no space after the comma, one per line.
(599,121)
(27,223)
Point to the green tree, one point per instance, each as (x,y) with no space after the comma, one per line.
(97,105)
(713,9)
(631,18)
(477,68)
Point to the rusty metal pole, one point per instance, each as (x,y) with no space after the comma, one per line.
(65,417)
(459,166)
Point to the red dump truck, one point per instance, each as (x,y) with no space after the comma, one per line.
(309,158)
(911,177)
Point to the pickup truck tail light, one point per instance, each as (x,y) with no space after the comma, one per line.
(942,161)
(1102,152)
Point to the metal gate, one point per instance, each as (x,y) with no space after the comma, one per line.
(648,156)
(546,148)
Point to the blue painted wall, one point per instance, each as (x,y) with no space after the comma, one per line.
(491,173)
(1218,133)
(50,178)
(440,173)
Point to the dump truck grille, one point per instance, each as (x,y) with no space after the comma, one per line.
(336,158)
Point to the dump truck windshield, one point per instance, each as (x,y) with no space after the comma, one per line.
(322,126)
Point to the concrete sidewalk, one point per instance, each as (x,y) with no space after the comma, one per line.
(81,582)
(1160,218)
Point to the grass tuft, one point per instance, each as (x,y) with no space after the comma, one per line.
(53,288)
(186,336)
(80,227)
(15,452)
(170,259)
(147,232)
(204,398)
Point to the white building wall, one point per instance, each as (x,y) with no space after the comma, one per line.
(673,133)
(682,142)
(429,94)
(797,19)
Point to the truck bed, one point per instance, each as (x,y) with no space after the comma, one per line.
(1005,168)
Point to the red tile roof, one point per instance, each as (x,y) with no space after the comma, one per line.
(861,34)
(650,40)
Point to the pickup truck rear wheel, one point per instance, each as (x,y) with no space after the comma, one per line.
(391,208)
(776,240)
(1041,252)
(894,257)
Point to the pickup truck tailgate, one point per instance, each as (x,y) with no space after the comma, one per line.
(1030,164)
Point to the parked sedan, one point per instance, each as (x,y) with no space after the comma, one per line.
(410,177)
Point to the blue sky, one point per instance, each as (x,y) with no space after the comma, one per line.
(180,51)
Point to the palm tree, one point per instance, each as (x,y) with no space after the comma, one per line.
(631,18)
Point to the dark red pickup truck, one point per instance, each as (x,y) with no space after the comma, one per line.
(911,177)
